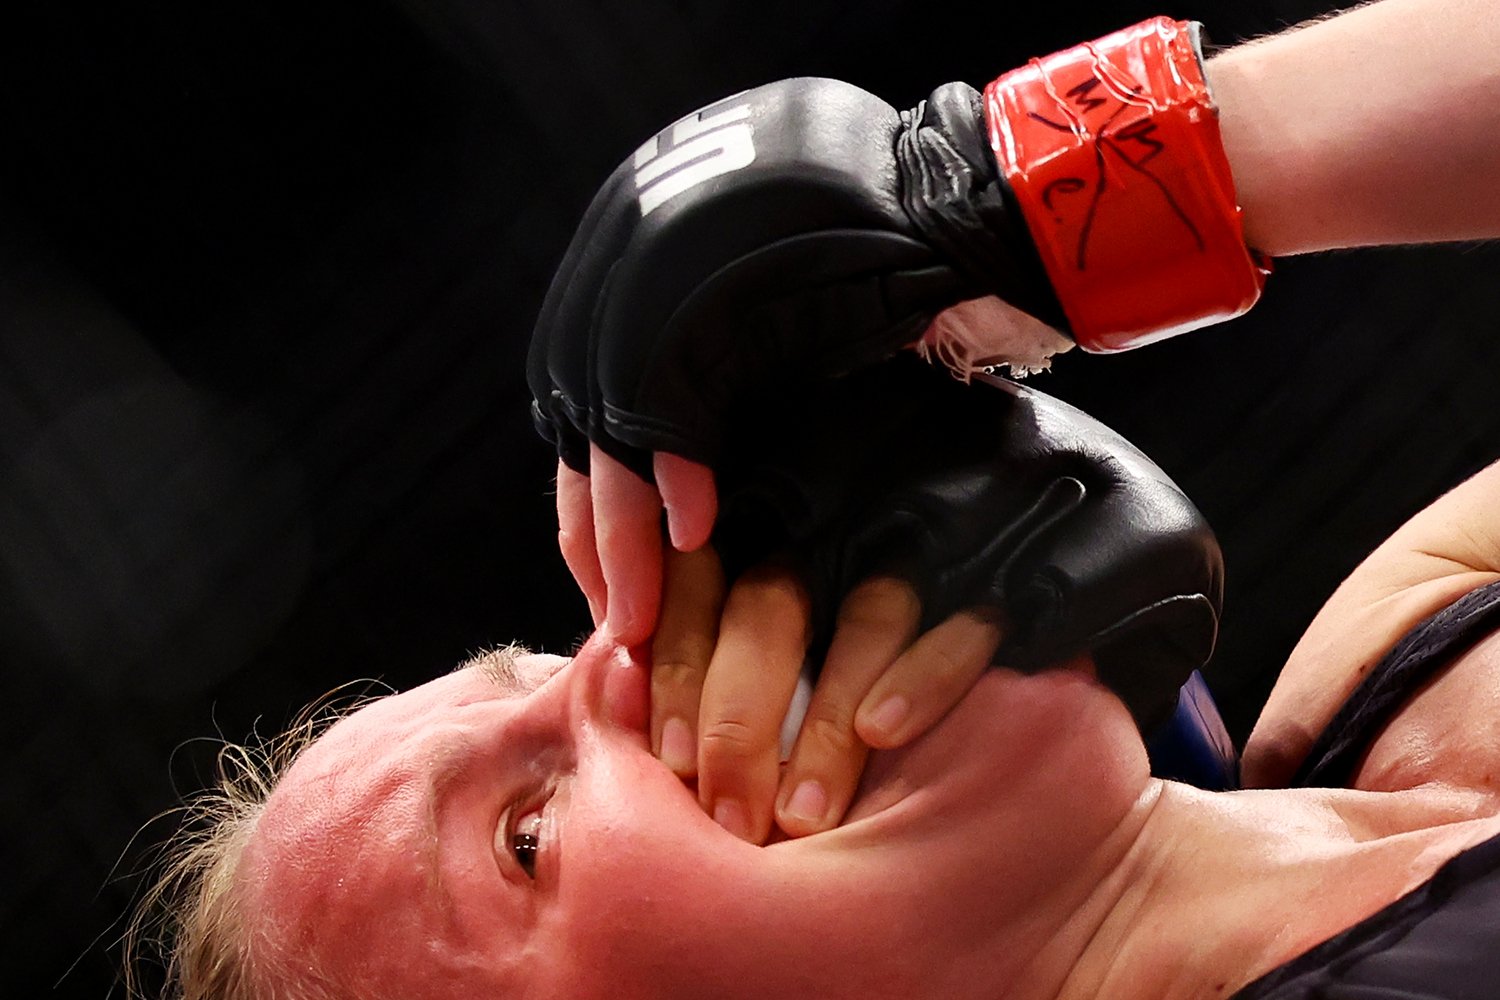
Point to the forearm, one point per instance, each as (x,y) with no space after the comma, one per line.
(1378,126)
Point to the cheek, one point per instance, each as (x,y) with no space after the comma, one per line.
(644,873)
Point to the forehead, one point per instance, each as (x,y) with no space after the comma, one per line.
(513,670)
(388,742)
(506,673)
(350,832)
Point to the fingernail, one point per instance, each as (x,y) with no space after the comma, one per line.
(674,527)
(889,715)
(616,618)
(677,750)
(808,802)
(620,622)
(733,816)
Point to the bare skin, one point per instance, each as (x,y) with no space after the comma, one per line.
(1445,551)
(725,665)
(1051,865)
(1374,127)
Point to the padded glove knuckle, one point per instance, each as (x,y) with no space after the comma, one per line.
(800,226)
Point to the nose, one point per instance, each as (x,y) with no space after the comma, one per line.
(614,686)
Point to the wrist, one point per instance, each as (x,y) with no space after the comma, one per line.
(1113,153)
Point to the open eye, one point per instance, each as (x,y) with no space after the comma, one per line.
(526,841)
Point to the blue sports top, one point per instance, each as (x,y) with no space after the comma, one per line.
(1440,941)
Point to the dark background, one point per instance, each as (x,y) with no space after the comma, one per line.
(267,273)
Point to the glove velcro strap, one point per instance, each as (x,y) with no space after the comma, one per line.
(1113,152)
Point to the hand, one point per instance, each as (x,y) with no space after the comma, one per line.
(801,228)
(997,524)
(740,659)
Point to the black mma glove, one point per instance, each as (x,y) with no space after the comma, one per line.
(990,495)
(804,227)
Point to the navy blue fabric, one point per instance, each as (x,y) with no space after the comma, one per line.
(1442,940)
(1194,745)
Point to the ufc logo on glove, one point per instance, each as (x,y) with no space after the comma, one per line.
(704,145)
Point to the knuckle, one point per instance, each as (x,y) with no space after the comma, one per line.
(831,735)
(950,666)
(939,670)
(729,741)
(576,548)
(674,675)
(773,590)
(880,602)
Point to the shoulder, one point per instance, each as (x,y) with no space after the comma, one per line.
(1446,735)
(1446,551)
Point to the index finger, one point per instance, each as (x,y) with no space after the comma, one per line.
(575,536)
(627,530)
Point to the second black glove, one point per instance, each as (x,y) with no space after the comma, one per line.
(991,496)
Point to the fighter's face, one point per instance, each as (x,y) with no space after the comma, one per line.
(473,838)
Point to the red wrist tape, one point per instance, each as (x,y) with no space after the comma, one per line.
(1113,151)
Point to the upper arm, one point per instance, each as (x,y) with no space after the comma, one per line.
(1447,550)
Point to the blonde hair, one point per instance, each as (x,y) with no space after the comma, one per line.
(190,921)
